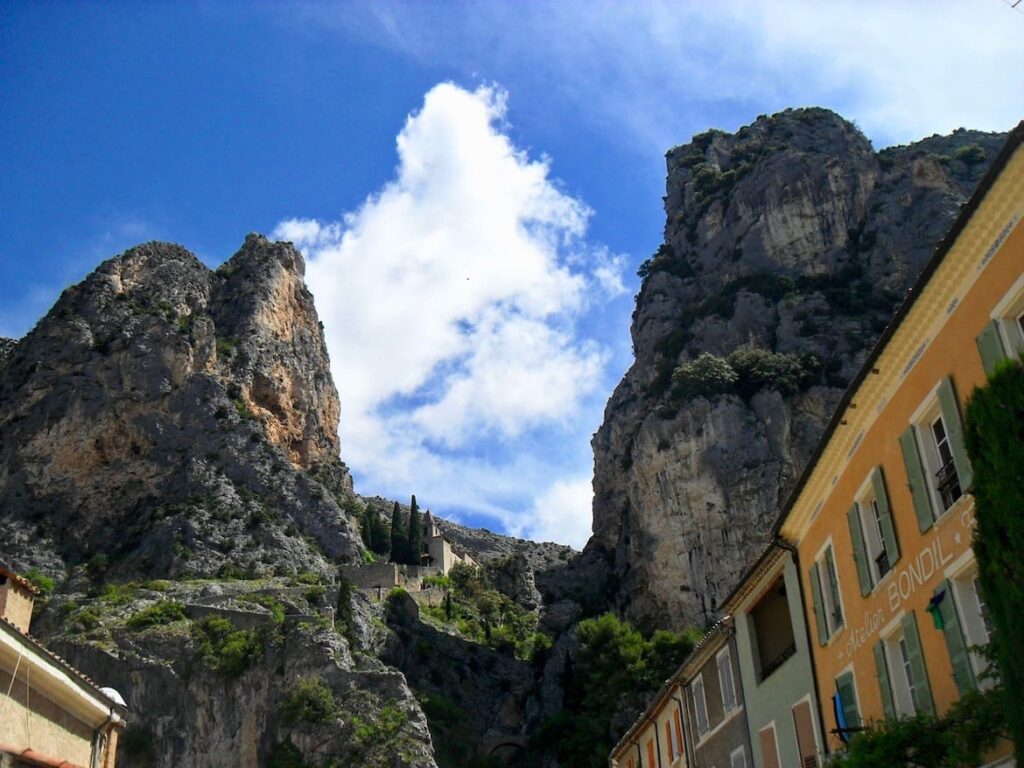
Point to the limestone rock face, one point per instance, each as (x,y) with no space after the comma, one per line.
(175,420)
(792,238)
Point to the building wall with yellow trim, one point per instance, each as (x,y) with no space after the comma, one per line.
(936,340)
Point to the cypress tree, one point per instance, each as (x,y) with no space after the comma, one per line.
(399,541)
(415,534)
(380,534)
(994,436)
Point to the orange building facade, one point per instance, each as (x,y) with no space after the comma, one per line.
(883,517)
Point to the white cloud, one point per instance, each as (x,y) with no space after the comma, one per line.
(562,513)
(650,73)
(451,301)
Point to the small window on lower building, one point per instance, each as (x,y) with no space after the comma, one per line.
(738,758)
(700,706)
(724,662)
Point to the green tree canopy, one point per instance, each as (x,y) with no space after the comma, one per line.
(415,541)
(399,537)
(994,435)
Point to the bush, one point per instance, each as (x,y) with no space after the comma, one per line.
(959,739)
(39,580)
(994,437)
(389,721)
(309,700)
(157,585)
(440,580)
(286,755)
(164,612)
(707,376)
(225,649)
(758,369)
(970,154)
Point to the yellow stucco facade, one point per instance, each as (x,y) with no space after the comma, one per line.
(889,591)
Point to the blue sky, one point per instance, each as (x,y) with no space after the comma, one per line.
(473,184)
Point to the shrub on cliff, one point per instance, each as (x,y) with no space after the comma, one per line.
(164,612)
(225,649)
(758,369)
(308,700)
(994,436)
(707,376)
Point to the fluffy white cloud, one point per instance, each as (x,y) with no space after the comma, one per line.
(562,513)
(451,301)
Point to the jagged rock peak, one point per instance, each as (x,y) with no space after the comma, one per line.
(161,410)
(789,243)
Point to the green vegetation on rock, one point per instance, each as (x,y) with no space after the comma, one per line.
(164,612)
(308,700)
(224,648)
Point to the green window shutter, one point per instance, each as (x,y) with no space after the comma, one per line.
(892,547)
(860,555)
(844,684)
(990,347)
(922,690)
(831,576)
(955,640)
(819,605)
(882,669)
(955,431)
(916,480)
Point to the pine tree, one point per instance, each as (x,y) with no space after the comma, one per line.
(415,534)
(399,540)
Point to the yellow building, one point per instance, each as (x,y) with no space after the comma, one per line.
(655,740)
(50,714)
(882,518)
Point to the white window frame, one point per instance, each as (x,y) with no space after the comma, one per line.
(970,611)
(871,530)
(731,702)
(742,753)
(899,679)
(1009,317)
(702,708)
(923,421)
(828,599)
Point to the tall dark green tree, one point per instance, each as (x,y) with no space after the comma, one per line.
(415,534)
(380,533)
(399,537)
(994,436)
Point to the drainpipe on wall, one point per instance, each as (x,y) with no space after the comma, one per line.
(781,543)
(100,737)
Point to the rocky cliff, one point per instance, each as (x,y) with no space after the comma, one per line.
(788,245)
(168,419)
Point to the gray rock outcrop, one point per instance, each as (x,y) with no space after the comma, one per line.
(793,241)
(174,420)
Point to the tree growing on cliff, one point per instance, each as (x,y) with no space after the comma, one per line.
(995,443)
(380,533)
(399,537)
(415,540)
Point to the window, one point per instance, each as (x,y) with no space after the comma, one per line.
(901,670)
(769,747)
(828,607)
(938,470)
(725,680)
(668,740)
(679,732)
(700,706)
(650,753)
(844,705)
(772,630)
(964,620)
(872,532)
(1004,335)
(738,758)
